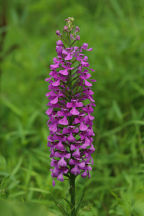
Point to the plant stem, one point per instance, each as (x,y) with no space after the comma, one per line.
(72,194)
(71,177)
(3,25)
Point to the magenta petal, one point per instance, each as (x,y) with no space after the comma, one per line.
(87,141)
(53,127)
(85,46)
(53,183)
(51,93)
(47,94)
(88,75)
(82,165)
(76,153)
(91,99)
(72,147)
(54,101)
(90,49)
(74,111)
(75,170)
(49,111)
(48,79)
(84,146)
(72,162)
(76,121)
(87,83)
(79,104)
(55,172)
(83,127)
(63,72)
(59,43)
(65,170)
(68,57)
(71,138)
(65,130)
(54,66)
(67,156)
(89,168)
(60,177)
(57,154)
(92,149)
(69,105)
(92,69)
(64,52)
(90,92)
(60,146)
(63,121)
(60,113)
(91,117)
(62,163)
(84,174)
(84,64)
(56,83)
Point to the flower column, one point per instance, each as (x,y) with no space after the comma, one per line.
(70,107)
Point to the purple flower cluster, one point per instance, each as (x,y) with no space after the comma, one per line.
(70,110)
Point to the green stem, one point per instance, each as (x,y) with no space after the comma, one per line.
(71,177)
(72,194)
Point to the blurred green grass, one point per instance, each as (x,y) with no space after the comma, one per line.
(115,30)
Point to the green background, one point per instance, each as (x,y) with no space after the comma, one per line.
(115,30)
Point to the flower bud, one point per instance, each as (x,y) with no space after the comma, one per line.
(77,37)
(58,33)
(77,29)
(71,36)
(65,28)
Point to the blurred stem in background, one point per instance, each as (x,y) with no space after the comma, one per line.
(4,9)
(3,32)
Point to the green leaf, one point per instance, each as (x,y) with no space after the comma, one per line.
(11,106)
(60,207)
(80,201)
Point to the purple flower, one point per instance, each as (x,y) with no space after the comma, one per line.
(65,28)
(77,29)
(62,163)
(77,37)
(75,170)
(58,33)
(63,121)
(70,107)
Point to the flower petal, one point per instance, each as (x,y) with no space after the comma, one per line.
(64,72)
(75,170)
(68,57)
(53,127)
(74,111)
(63,121)
(62,163)
(83,127)
(56,83)
(49,111)
(87,83)
(60,177)
(54,101)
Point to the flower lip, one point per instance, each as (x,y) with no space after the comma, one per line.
(63,121)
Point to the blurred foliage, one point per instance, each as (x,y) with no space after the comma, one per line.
(27,45)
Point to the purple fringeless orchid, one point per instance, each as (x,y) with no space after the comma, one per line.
(70,107)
